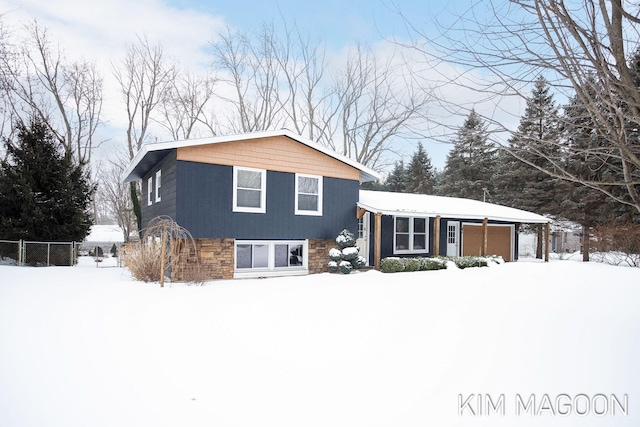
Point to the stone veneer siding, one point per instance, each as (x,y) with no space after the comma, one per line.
(217,259)
(319,255)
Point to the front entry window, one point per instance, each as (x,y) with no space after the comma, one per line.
(410,235)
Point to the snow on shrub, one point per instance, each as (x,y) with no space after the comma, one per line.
(350,254)
(333,267)
(391,265)
(335,254)
(346,254)
(345,267)
(395,264)
(345,239)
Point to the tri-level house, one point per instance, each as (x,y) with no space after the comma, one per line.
(258,204)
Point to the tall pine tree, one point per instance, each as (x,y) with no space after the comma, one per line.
(520,183)
(471,163)
(44,195)
(396,180)
(419,175)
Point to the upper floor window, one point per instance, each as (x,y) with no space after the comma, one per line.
(410,235)
(158,185)
(249,190)
(308,195)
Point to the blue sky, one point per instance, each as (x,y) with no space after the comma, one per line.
(101,29)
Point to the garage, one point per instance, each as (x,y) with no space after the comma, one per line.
(499,240)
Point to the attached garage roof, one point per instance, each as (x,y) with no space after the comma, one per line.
(150,154)
(449,207)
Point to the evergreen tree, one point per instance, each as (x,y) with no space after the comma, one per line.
(521,184)
(588,162)
(396,181)
(471,163)
(420,176)
(44,196)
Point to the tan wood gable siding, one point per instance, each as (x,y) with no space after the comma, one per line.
(278,153)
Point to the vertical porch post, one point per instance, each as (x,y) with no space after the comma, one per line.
(436,236)
(485,223)
(547,241)
(376,241)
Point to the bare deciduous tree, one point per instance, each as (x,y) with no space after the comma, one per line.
(185,111)
(144,77)
(37,80)
(357,109)
(375,105)
(252,71)
(114,195)
(507,45)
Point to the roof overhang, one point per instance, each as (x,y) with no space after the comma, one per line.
(150,154)
(422,205)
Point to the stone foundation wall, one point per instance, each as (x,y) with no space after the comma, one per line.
(319,255)
(216,258)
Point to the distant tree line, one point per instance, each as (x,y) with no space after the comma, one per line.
(517,175)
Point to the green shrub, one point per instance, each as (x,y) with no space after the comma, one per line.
(391,265)
(470,261)
(333,267)
(345,267)
(411,264)
(428,264)
(395,265)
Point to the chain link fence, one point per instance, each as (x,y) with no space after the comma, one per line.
(38,254)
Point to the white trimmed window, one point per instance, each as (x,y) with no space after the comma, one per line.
(149,191)
(158,185)
(249,190)
(264,257)
(308,195)
(410,235)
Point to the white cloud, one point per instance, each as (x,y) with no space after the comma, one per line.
(101,30)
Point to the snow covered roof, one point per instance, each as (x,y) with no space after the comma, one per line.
(150,154)
(450,207)
(105,233)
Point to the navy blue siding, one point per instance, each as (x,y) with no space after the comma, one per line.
(167,204)
(205,206)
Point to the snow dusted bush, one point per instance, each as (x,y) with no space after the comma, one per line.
(345,267)
(427,264)
(395,264)
(351,253)
(391,265)
(359,262)
(345,239)
(346,258)
(333,267)
(335,254)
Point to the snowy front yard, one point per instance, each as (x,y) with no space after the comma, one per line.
(88,346)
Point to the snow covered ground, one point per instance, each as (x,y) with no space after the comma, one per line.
(87,346)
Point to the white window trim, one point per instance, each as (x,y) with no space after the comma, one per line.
(271,270)
(263,191)
(158,185)
(149,191)
(306,212)
(411,234)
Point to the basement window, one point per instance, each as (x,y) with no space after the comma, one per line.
(270,258)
